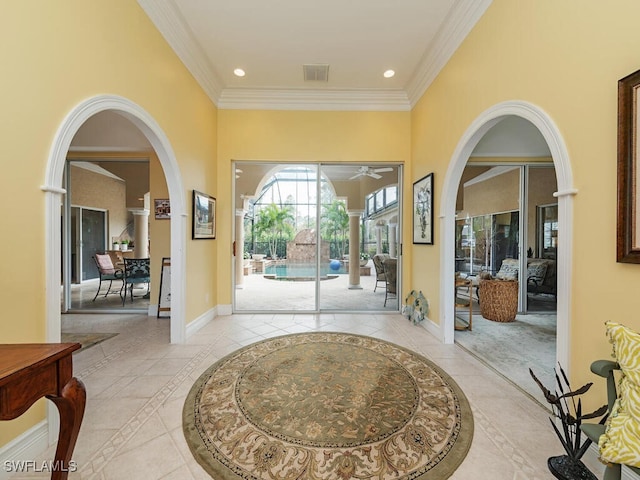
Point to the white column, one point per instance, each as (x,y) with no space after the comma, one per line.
(354,249)
(141,232)
(379,238)
(239,260)
(392,239)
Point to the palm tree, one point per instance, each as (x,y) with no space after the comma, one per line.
(273,223)
(335,224)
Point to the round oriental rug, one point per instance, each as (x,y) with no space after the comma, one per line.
(327,406)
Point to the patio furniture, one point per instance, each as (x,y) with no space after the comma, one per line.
(136,271)
(108,272)
(498,300)
(460,303)
(390,278)
(378,260)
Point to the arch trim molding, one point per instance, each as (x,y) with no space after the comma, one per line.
(565,195)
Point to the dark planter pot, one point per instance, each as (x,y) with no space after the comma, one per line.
(564,468)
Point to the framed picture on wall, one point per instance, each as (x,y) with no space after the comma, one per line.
(628,221)
(204,216)
(423,210)
(162,208)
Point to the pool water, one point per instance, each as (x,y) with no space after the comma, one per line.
(302,271)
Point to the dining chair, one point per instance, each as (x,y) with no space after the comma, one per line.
(136,271)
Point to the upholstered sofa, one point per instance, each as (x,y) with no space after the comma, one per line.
(541,274)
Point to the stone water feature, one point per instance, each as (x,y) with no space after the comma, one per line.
(302,249)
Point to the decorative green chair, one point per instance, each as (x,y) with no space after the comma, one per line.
(606,369)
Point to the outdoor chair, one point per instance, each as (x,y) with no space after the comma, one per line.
(378,260)
(136,271)
(390,277)
(107,272)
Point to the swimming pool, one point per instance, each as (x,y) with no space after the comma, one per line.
(301,272)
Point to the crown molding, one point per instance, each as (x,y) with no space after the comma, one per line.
(302,99)
(451,34)
(172,27)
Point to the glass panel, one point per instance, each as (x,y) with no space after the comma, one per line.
(280,241)
(299,271)
(542,240)
(373,229)
(92,241)
(391,195)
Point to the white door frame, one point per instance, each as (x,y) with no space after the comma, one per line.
(565,193)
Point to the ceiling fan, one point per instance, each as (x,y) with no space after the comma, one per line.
(371,172)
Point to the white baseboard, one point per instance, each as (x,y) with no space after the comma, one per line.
(433,328)
(26,447)
(206,317)
(200,322)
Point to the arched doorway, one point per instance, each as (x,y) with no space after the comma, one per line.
(53,191)
(565,193)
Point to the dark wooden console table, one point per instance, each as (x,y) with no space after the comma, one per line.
(29,371)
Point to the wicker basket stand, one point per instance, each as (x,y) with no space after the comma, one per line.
(498,300)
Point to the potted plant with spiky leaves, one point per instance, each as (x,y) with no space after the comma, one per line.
(568,411)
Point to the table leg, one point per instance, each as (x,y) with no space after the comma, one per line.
(71,407)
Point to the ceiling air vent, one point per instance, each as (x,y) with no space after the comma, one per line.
(317,72)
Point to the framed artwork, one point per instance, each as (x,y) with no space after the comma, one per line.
(423,210)
(162,208)
(204,216)
(628,220)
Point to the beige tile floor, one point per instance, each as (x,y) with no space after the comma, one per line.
(137,382)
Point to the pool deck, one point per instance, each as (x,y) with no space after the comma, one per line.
(258,293)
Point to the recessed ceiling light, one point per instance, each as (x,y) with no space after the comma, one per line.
(389,74)
(238,72)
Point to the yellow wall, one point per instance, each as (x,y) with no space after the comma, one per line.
(298,136)
(54,56)
(565,57)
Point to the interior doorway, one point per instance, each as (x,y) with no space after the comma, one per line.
(306,235)
(549,135)
(54,193)
(113,189)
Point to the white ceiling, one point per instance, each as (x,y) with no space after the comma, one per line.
(272,40)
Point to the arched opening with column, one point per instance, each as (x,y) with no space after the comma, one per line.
(53,188)
(564,194)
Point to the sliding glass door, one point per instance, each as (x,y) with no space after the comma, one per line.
(305,238)
(507,223)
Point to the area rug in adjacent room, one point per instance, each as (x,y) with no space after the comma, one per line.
(327,406)
(87,340)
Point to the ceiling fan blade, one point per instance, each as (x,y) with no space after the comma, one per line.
(356,176)
(374,175)
(383,169)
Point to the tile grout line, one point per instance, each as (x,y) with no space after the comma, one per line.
(112,446)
